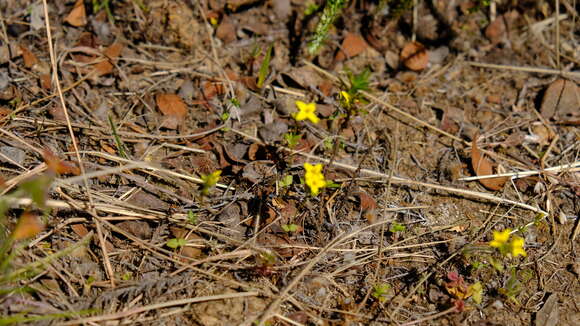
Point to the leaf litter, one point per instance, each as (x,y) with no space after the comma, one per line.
(163,94)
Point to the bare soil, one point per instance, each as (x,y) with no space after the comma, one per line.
(159,94)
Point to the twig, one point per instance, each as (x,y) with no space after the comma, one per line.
(571,167)
(526,69)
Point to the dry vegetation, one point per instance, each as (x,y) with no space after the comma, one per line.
(153,155)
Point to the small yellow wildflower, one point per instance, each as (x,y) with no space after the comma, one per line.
(346,98)
(517,247)
(213,21)
(209,181)
(314,178)
(306,111)
(500,238)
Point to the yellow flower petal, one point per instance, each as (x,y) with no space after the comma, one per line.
(517,247)
(500,238)
(314,178)
(306,111)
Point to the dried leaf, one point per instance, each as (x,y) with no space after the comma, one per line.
(79,229)
(45,81)
(29,58)
(173,107)
(482,166)
(366,202)
(496,30)
(561,101)
(78,16)
(59,166)
(27,227)
(211,89)
(140,229)
(226,31)
(414,56)
(106,67)
(352,45)
(4,112)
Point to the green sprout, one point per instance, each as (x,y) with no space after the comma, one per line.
(310,9)
(331,12)
(176,243)
(290,228)
(286,181)
(380,291)
(397,227)
(292,139)
(191,217)
(264,68)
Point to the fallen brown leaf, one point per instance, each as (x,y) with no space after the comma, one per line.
(79,229)
(561,101)
(27,227)
(174,109)
(106,67)
(483,166)
(29,58)
(414,56)
(59,166)
(78,16)
(46,81)
(352,45)
(226,31)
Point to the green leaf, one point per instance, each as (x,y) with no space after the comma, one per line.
(286,181)
(380,291)
(332,184)
(264,68)
(477,292)
(292,139)
(118,141)
(397,227)
(192,217)
(290,228)
(176,243)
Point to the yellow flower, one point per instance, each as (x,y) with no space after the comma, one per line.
(306,111)
(500,238)
(314,178)
(517,247)
(209,181)
(346,98)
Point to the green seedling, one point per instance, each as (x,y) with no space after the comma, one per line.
(332,184)
(265,67)
(191,217)
(397,227)
(292,139)
(176,243)
(235,102)
(381,291)
(286,181)
(331,12)
(118,142)
(289,228)
(311,8)
(512,288)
